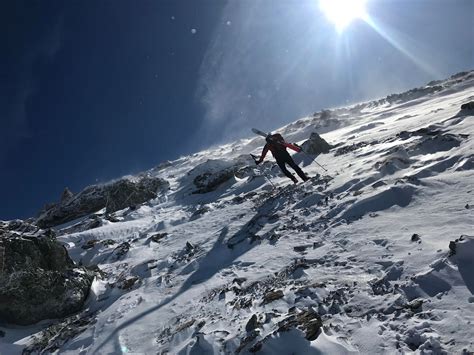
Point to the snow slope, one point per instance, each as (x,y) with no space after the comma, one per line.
(363,248)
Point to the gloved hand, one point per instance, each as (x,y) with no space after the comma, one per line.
(254,157)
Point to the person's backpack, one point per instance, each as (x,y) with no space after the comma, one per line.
(275,138)
(278,141)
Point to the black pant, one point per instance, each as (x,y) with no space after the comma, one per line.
(282,158)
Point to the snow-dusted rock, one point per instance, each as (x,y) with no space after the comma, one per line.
(209,175)
(66,195)
(468,106)
(113,196)
(316,145)
(39,280)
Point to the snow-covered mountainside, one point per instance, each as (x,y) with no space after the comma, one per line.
(374,255)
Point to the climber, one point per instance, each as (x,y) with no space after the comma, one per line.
(277,145)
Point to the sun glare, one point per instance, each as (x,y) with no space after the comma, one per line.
(342,12)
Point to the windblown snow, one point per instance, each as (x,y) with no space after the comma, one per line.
(356,260)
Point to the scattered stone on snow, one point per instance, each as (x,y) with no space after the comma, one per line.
(307,320)
(272,296)
(55,336)
(120,251)
(157,237)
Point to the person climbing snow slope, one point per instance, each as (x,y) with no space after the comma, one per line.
(277,145)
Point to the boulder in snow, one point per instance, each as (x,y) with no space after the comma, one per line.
(209,175)
(468,106)
(39,280)
(316,145)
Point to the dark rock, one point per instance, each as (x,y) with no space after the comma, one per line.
(316,145)
(382,286)
(256,348)
(2,334)
(252,324)
(111,218)
(415,305)
(415,238)
(185,325)
(452,248)
(89,223)
(199,212)
(92,243)
(201,324)
(246,341)
(308,321)
(107,242)
(209,175)
(89,244)
(113,196)
(189,247)
(120,251)
(452,245)
(467,206)
(378,184)
(239,280)
(468,106)
(66,195)
(349,148)
(157,237)
(325,114)
(39,280)
(209,181)
(55,336)
(301,248)
(128,283)
(18,226)
(272,296)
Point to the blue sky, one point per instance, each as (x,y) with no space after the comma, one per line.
(92,90)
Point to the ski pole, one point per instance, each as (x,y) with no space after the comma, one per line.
(263,172)
(321,166)
(310,155)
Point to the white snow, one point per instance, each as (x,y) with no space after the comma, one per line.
(340,244)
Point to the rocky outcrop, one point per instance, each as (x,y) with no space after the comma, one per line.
(316,145)
(91,222)
(209,181)
(212,173)
(113,196)
(468,106)
(66,195)
(39,280)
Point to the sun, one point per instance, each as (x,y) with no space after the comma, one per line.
(342,12)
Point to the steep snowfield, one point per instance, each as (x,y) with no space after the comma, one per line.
(363,248)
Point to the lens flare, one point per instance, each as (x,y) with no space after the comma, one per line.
(342,12)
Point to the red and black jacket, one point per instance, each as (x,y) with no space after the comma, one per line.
(277,145)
